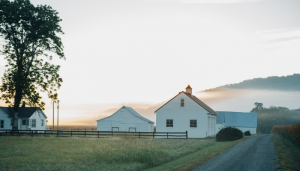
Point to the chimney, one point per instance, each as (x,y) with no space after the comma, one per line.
(188,89)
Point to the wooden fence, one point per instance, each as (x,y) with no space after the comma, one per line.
(96,134)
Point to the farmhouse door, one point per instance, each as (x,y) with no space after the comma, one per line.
(23,125)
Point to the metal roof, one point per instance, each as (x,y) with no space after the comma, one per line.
(23,112)
(194,98)
(137,114)
(132,111)
(237,119)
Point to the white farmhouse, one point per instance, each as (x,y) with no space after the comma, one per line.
(125,119)
(245,121)
(186,112)
(30,118)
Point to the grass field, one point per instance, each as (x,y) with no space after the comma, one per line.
(73,153)
(288,153)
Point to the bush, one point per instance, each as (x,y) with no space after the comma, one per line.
(229,134)
(247,133)
(291,132)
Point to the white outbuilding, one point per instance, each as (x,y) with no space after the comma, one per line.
(125,119)
(185,112)
(245,121)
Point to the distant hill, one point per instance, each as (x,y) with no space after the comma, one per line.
(284,83)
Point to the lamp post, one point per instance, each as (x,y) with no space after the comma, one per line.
(57,113)
(53,115)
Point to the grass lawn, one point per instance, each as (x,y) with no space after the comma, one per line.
(288,153)
(113,153)
(73,153)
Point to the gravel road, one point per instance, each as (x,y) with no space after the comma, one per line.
(254,154)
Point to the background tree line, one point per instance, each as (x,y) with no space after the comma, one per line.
(269,117)
(284,83)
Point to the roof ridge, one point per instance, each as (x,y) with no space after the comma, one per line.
(195,99)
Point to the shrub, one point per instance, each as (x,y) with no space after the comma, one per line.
(291,132)
(247,133)
(229,134)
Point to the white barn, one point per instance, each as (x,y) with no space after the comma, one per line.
(30,118)
(125,119)
(186,112)
(245,121)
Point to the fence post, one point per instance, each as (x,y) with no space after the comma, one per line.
(98,134)
(18,133)
(153,134)
(167,135)
(112,133)
(85,132)
(71,132)
(186,133)
(6,132)
(57,133)
(139,134)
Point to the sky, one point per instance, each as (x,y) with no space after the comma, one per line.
(140,53)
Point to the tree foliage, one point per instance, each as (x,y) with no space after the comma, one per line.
(31,38)
(269,117)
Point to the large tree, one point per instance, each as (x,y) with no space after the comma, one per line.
(31,38)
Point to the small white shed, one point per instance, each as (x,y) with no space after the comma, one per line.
(125,119)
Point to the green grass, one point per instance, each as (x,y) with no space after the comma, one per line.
(288,153)
(74,153)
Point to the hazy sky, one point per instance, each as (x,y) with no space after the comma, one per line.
(146,51)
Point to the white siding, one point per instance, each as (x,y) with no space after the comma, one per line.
(219,127)
(7,121)
(104,126)
(124,120)
(181,117)
(38,117)
(243,129)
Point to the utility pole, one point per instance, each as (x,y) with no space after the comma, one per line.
(53,115)
(57,113)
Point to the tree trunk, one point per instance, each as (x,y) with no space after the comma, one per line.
(18,97)
(16,111)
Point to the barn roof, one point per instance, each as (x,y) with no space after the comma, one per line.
(23,112)
(198,101)
(237,119)
(137,114)
(132,111)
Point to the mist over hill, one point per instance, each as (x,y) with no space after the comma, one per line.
(284,83)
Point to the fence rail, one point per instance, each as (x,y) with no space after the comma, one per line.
(95,134)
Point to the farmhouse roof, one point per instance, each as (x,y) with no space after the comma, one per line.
(23,112)
(132,111)
(237,119)
(194,98)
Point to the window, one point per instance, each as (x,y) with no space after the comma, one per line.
(23,122)
(42,122)
(11,122)
(1,123)
(182,103)
(33,123)
(193,123)
(169,123)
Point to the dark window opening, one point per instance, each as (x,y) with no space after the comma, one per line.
(169,123)
(193,123)
(182,103)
